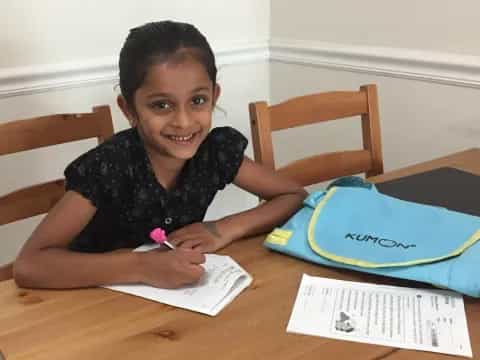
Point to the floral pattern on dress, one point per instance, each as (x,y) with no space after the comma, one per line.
(119,181)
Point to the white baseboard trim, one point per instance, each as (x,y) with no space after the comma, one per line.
(44,78)
(444,68)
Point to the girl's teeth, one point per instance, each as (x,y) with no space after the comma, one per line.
(181,138)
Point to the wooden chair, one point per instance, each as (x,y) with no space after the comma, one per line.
(315,108)
(21,135)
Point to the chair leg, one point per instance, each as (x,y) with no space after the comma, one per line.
(6,272)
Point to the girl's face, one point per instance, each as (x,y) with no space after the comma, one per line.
(174,108)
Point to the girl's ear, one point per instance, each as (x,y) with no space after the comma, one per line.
(123,105)
(216,94)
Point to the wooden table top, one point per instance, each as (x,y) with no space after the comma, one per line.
(102,324)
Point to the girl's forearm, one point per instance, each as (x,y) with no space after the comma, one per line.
(262,218)
(61,268)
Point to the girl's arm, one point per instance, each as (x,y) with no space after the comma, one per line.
(283,197)
(46,262)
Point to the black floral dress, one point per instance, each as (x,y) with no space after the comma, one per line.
(117,177)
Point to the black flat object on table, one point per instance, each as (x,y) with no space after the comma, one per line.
(448,187)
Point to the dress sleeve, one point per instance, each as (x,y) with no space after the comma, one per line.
(88,175)
(227,147)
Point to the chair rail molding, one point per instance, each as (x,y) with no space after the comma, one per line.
(438,67)
(16,81)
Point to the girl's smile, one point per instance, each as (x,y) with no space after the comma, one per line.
(173,108)
(182,139)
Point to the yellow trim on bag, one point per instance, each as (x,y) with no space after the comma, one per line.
(362,263)
(279,237)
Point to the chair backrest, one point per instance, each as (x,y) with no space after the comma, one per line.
(34,133)
(315,108)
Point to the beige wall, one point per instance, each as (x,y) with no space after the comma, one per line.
(60,56)
(437,25)
(56,31)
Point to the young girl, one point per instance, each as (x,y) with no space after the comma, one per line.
(162,172)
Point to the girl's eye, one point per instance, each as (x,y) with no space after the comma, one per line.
(199,100)
(161,105)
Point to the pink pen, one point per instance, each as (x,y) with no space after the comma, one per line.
(158,235)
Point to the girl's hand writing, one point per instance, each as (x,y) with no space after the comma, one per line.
(203,237)
(171,269)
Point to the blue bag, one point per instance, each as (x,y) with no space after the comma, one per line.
(358,228)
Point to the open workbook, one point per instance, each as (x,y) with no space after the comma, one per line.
(222,281)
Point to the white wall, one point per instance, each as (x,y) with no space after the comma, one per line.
(56,31)
(437,25)
(423,55)
(60,56)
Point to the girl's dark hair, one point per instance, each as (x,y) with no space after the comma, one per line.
(156,42)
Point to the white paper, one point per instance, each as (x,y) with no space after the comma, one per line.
(222,281)
(430,320)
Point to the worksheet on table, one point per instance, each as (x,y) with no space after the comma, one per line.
(422,319)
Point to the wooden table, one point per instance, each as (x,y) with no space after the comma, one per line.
(103,324)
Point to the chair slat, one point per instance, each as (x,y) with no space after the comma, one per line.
(43,131)
(310,109)
(318,168)
(30,201)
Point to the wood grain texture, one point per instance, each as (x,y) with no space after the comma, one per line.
(34,133)
(315,108)
(103,324)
